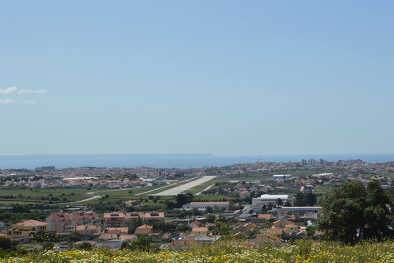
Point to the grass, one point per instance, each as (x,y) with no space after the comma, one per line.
(203,197)
(171,186)
(55,195)
(200,187)
(128,194)
(303,251)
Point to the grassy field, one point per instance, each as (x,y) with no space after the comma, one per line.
(226,179)
(47,195)
(302,252)
(9,196)
(128,194)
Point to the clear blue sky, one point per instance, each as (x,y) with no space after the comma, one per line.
(221,77)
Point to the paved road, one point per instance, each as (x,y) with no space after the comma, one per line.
(206,189)
(184,187)
(87,199)
(165,186)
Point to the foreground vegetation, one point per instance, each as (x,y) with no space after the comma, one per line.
(301,252)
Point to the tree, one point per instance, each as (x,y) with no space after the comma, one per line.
(7,244)
(143,243)
(221,228)
(74,237)
(43,237)
(305,199)
(85,246)
(377,212)
(343,211)
(133,224)
(182,199)
(351,212)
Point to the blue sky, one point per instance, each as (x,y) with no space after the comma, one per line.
(221,77)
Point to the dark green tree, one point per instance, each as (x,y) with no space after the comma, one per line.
(85,246)
(343,212)
(305,199)
(378,213)
(43,237)
(182,199)
(74,237)
(133,224)
(7,244)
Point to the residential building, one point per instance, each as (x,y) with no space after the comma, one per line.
(269,200)
(143,230)
(26,229)
(200,230)
(68,222)
(204,205)
(115,219)
(281,176)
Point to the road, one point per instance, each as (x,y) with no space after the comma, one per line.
(206,189)
(87,199)
(184,187)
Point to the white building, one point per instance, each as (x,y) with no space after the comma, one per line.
(323,175)
(266,200)
(204,205)
(281,176)
(307,212)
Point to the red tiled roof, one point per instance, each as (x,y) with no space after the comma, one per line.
(31,223)
(200,229)
(265,216)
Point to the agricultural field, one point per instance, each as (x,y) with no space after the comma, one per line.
(302,252)
(43,196)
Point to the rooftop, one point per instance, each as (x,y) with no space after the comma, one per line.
(31,223)
(273,197)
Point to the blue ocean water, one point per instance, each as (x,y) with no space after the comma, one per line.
(165,160)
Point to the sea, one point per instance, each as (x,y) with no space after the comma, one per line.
(166,160)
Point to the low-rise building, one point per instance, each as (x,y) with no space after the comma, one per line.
(270,200)
(26,229)
(143,230)
(115,219)
(281,176)
(68,222)
(153,216)
(307,212)
(200,230)
(204,205)
(117,230)
(89,230)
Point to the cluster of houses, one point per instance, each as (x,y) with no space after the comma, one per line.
(112,229)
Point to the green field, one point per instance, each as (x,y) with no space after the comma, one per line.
(45,196)
(303,251)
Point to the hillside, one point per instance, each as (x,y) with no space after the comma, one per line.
(302,252)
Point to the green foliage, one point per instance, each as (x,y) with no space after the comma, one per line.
(74,237)
(301,251)
(378,213)
(21,212)
(133,224)
(143,243)
(162,227)
(221,228)
(7,244)
(85,246)
(43,237)
(350,211)
(305,199)
(182,199)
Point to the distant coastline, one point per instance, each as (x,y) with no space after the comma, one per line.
(166,160)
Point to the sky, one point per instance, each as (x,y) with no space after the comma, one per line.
(220,77)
